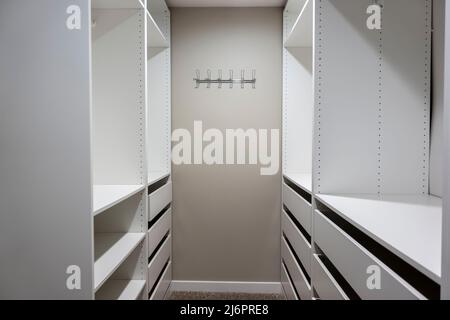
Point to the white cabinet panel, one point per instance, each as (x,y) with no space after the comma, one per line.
(353,262)
(159,199)
(158,231)
(299,207)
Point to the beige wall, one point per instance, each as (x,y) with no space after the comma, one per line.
(226,224)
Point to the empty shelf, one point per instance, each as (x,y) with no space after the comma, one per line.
(111,249)
(156,176)
(301,34)
(106,196)
(121,290)
(410,226)
(155,37)
(117,4)
(301,180)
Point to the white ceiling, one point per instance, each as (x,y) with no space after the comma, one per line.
(226,3)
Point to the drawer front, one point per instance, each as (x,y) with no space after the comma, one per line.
(301,246)
(159,199)
(158,231)
(163,285)
(159,261)
(298,278)
(326,286)
(355,263)
(300,208)
(287,285)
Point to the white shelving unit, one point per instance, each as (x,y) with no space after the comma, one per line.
(126,161)
(131,91)
(158,149)
(298,114)
(372,168)
(365,160)
(119,168)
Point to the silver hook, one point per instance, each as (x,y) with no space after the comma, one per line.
(208,72)
(220,78)
(197,79)
(231,79)
(254,78)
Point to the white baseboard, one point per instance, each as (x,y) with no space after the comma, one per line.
(226,286)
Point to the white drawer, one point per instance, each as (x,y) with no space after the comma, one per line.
(301,246)
(353,262)
(298,278)
(159,199)
(159,261)
(163,285)
(300,208)
(324,283)
(158,231)
(287,285)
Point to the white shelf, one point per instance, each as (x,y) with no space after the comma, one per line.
(106,196)
(154,176)
(121,290)
(408,225)
(111,249)
(155,37)
(301,34)
(117,4)
(301,180)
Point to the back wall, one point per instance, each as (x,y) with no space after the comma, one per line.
(226,218)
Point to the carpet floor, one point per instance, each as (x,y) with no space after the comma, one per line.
(191,295)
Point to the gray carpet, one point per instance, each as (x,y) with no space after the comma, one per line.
(190,295)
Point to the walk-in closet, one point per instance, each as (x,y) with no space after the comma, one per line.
(245,149)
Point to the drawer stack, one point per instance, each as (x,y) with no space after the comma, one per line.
(354,262)
(159,239)
(349,263)
(349,248)
(296,242)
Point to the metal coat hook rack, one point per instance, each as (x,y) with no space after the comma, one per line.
(220,81)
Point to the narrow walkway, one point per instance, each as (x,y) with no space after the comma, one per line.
(190,295)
